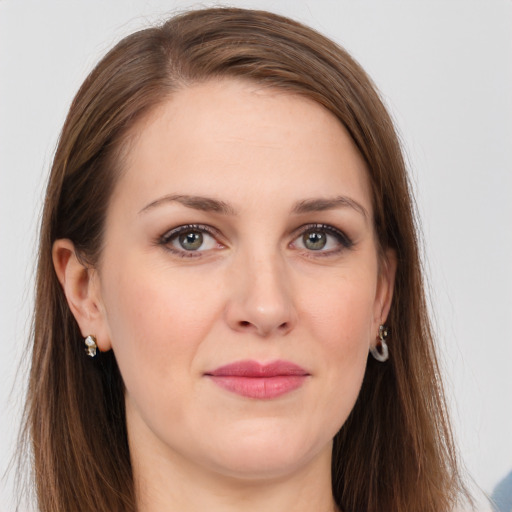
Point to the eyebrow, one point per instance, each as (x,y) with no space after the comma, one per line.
(205,204)
(209,204)
(322,204)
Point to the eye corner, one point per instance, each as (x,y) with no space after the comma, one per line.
(329,240)
(205,238)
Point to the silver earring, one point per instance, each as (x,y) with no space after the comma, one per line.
(90,346)
(380,350)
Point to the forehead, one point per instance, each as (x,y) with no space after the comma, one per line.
(219,137)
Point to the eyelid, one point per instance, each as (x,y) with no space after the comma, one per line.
(169,235)
(167,238)
(343,239)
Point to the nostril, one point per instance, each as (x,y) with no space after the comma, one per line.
(263,327)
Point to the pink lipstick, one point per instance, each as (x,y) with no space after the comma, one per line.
(256,380)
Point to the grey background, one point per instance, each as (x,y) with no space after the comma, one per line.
(445,71)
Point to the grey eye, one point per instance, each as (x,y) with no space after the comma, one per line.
(314,240)
(323,239)
(191,240)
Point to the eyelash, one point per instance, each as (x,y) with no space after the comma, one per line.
(341,238)
(168,237)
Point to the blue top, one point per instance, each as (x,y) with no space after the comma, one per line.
(502,495)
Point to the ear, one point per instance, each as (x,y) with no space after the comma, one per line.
(81,287)
(385,287)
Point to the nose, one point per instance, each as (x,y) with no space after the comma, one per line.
(261,298)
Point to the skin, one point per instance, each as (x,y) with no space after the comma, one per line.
(256,289)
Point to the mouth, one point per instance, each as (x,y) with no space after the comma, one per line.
(260,381)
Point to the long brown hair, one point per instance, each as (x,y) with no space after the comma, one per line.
(395,451)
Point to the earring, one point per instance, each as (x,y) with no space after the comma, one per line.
(90,346)
(380,351)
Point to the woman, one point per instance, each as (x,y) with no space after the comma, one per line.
(227,233)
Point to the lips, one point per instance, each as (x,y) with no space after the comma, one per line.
(261,381)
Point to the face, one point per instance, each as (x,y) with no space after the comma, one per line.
(239,285)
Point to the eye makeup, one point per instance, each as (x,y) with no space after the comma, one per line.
(190,240)
(321,240)
(193,240)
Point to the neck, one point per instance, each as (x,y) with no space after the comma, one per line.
(171,484)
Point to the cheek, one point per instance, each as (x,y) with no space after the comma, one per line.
(156,323)
(341,322)
(342,315)
(152,304)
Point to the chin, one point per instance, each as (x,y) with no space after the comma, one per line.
(263,457)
